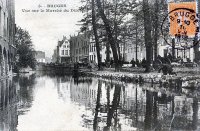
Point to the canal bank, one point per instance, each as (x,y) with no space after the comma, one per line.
(183,76)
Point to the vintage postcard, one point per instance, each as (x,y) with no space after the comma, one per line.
(102,65)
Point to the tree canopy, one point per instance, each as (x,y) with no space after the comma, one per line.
(119,23)
(25,49)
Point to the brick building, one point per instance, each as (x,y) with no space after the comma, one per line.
(79,47)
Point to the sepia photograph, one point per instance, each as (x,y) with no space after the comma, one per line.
(99,65)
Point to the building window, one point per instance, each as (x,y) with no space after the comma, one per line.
(80,51)
(66,52)
(94,47)
(62,52)
(64,46)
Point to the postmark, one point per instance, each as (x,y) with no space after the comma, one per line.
(181,25)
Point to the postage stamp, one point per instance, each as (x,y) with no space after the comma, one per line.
(181,25)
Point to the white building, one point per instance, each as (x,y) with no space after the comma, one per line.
(63,49)
(93,53)
(40,57)
(130,52)
(164,49)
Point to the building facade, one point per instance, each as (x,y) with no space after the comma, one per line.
(62,52)
(129,51)
(7,34)
(63,49)
(79,48)
(93,52)
(40,57)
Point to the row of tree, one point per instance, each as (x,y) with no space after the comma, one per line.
(115,22)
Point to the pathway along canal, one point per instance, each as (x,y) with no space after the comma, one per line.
(42,102)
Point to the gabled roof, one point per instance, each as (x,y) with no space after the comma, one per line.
(60,43)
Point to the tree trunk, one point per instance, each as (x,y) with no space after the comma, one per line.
(109,33)
(196,50)
(116,32)
(96,35)
(147,35)
(124,48)
(156,26)
(136,41)
(107,52)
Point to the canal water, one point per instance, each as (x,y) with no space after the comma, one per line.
(41,102)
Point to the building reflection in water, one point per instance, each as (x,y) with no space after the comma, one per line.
(15,99)
(126,106)
(8,106)
(130,106)
(105,105)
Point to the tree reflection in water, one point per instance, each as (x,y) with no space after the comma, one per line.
(111,109)
(106,105)
(26,84)
(95,123)
(145,108)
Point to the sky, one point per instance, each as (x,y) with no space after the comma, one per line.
(46,28)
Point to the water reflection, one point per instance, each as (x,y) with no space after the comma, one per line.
(43,102)
(25,92)
(8,107)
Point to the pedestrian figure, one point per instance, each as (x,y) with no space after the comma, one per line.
(138,63)
(133,62)
(111,62)
(143,63)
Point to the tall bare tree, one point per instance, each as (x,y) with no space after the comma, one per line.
(147,34)
(155,28)
(96,35)
(109,34)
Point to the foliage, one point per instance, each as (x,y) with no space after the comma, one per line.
(25,50)
(131,22)
(116,13)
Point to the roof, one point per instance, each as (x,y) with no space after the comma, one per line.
(60,43)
